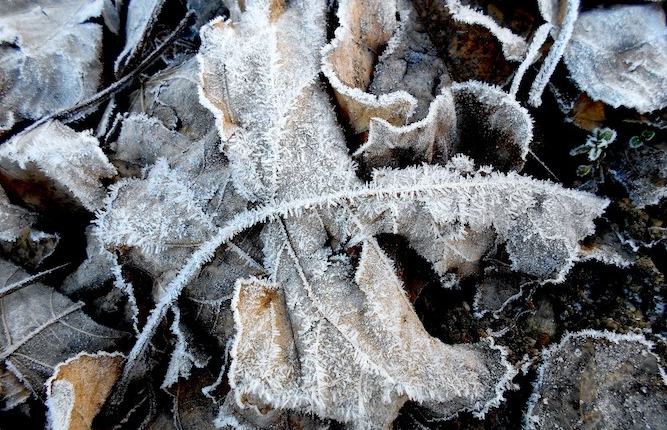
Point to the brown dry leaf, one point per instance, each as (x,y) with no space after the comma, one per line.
(588,114)
(78,388)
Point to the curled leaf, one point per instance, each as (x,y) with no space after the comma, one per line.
(349,61)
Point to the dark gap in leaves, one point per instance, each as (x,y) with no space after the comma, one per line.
(332,19)
(447,313)
(134,416)
(201,338)
(108,306)
(598,296)
(520,16)
(142,283)
(27,416)
(71,247)
(469,51)
(413,270)
(554,139)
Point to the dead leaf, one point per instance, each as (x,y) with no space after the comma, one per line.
(588,114)
(42,328)
(55,165)
(51,56)
(618,55)
(79,387)
(599,380)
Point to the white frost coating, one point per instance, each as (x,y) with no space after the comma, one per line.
(514,46)
(565,29)
(619,55)
(72,161)
(60,404)
(148,214)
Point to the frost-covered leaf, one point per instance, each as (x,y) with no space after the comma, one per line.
(51,56)
(445,210)
(172,97)
(492,127)
(54,162)
(160,217)
(353,353)
(619,55)
(42,328)
(643,173)
(409,62)
(78,388)
(430,140)
(471,118)
(599,380)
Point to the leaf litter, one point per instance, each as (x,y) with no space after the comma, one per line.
(257,214)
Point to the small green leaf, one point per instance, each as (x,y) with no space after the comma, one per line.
(584,170)
(581,149)
(635,142)
(606,135)
(647,135)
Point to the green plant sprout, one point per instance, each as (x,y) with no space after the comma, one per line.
(594,148)
(639,141)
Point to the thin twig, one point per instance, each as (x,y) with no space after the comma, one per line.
(553,175)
